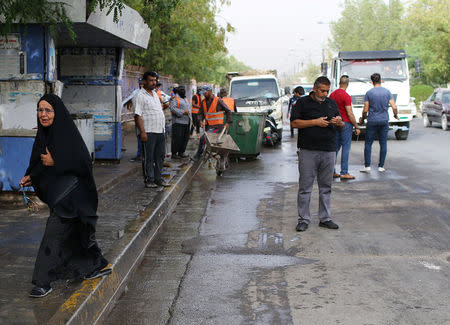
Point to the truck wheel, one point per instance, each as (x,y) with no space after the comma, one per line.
(444,122)
(426,120)
(251,157)
(401,135)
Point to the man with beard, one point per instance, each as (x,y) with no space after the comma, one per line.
(151,122)
(317,118)
(181,111)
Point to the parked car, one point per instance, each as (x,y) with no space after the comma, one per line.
(437,108)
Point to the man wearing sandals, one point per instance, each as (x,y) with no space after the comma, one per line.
(344,136)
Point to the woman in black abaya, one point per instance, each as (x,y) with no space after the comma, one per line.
(60,171)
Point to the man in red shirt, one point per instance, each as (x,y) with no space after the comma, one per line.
(344,136)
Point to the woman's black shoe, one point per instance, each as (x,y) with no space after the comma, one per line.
(39,292)
(97,274)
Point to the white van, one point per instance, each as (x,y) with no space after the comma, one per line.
(258,93)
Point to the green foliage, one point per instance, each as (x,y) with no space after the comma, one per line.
(369,25)
(421,92)
(114,6)
(423,29)
(311,72)
(46,12)
(224,64)
(186,42)
(429,37)
(39,11)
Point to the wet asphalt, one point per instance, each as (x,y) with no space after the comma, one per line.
(229,253)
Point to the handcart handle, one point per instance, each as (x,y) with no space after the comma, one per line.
(221,134)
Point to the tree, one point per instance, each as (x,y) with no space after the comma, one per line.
(429,37)
(186,40)
(369,25)
(49,13)
(424,31)
(311,72)
(226,63)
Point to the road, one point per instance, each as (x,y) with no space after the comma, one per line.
(230,254)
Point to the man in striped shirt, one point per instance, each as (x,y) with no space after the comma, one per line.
(150,120)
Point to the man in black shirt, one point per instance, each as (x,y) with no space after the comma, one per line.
(317,118)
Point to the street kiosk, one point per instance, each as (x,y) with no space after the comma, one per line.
(85,72)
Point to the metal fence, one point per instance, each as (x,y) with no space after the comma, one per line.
(130,82)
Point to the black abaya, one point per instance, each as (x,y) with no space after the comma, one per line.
(68,249)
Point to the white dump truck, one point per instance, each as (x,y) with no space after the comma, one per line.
(257,91)
(393,68)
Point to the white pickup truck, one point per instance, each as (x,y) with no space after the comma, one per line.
(393,68)
(255,92)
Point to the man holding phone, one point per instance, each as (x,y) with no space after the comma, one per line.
(317,119)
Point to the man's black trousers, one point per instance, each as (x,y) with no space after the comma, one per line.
(180,138)
(195,124)
(152,151)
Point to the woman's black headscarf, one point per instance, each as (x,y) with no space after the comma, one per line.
(71,157)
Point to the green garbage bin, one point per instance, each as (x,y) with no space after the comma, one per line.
(247,131)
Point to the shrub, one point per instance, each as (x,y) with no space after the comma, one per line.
(421,92)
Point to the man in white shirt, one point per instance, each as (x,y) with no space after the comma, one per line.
(150,120)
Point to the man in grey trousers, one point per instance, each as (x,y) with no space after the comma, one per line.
(317,118)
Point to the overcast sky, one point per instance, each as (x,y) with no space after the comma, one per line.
(279,34)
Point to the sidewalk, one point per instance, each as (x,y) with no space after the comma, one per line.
(129,217)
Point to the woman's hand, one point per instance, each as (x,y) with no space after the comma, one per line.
(25,181)
(47,159)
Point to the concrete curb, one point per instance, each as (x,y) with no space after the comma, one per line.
(95,299)
(114,181)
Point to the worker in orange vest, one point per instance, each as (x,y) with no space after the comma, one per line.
(213,111)
(227,100)
(196,102)
(168,116)
(158,90)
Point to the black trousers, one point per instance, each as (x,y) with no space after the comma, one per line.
(152,151)
(180,138)
(195,124)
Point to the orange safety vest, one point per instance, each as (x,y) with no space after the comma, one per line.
(212,116)
(229,102)
(177,99)
(158,92)
(195,110)
(178,103)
